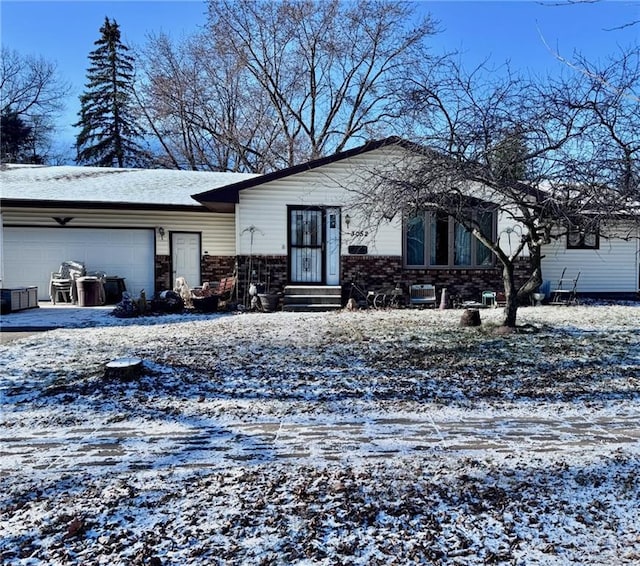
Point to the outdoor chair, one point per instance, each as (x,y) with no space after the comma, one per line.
(489,299)
(566,289)
(62,284)
(422,295)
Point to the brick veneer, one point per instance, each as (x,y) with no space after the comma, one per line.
(371,272)
(214,268)
(269,270)
(162,274)
(382,272)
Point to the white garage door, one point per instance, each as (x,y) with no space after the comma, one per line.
(31,254)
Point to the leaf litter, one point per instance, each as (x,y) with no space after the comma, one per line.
(392,437)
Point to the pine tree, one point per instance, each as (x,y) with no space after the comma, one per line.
(109,132)
(16,139)
(509,158)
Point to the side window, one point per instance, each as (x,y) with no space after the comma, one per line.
(414,244)
(583,240)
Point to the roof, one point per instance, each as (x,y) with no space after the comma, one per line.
(229,194)
(102,187)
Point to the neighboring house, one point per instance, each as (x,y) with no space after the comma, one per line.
(142,225)
(608,263)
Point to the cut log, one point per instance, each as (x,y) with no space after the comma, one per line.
(125,369)
(470,317)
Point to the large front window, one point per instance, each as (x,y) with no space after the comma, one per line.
(434,239)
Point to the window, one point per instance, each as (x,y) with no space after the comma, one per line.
(583,240)
(434,239)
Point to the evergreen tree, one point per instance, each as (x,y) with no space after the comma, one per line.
(16,140)
(108,127)
(509,158)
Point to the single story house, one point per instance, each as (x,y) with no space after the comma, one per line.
(303,227)
(297,227)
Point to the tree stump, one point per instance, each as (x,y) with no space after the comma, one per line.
(125,369)
(470,317)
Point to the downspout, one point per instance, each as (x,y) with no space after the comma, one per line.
(638,259)
(1,249)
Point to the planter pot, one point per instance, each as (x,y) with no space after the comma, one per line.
(269,301)
(205,304)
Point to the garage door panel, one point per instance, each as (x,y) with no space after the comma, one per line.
(31,254)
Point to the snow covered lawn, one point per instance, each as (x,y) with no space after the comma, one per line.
(339,438)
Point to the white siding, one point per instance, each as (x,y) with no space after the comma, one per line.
(217,229)
(510,234)
(614,268)
(265,207)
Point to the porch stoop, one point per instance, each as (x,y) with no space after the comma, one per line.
(312,298)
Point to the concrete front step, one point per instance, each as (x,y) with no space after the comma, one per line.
(310,307)
(312,297)
(313,290)
(323,299)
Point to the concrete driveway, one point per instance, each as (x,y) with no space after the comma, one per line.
(8,336)
(48,316)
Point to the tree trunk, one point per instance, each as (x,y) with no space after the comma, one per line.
(511,295)
(532,284)
(125,369)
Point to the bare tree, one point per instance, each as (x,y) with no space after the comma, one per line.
(200,110)
(32,90)
(273,83)
(549,158)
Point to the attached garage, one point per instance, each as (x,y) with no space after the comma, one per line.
(124,222)
(32,253)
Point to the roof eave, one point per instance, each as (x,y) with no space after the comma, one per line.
(100,205)
(231,193)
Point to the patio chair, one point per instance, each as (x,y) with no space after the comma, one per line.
(422,295)
(566,289)
(62,284)
(489,299)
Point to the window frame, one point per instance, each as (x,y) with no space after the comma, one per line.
(581,242)
(428,217)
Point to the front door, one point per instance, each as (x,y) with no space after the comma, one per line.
(185,257)
(314,245)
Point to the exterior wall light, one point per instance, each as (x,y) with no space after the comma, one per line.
(161,232)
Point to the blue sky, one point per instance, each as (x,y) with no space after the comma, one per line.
(65,31)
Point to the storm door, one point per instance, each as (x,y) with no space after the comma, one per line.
(306,245)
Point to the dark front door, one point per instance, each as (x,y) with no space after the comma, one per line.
(306,245)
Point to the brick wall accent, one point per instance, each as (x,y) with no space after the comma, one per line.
(213,268)
(162,276)
(371,272)
(270,270)
(382,272)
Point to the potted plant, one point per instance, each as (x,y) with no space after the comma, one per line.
(268,300)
